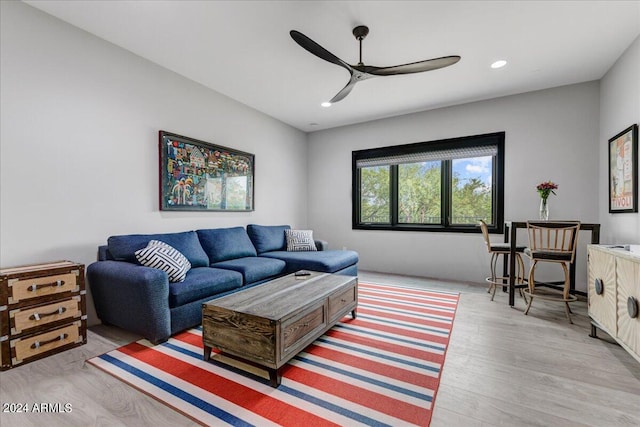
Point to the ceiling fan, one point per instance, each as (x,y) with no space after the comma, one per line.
(362,72)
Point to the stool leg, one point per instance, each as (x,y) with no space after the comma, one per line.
(494,260)
(520,275)
(528,305)
(565,293)
(492,279)
(531,286)
(567,311)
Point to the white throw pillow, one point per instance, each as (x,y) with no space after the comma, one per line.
(164,257)
(300,240)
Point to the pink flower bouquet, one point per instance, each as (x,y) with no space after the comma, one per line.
(546,188)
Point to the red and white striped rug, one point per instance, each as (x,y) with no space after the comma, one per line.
(380,369)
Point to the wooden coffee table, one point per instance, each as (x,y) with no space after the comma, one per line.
(268,324)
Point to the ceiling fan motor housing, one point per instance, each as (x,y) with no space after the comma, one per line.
(360,32)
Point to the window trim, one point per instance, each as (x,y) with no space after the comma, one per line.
(491,139)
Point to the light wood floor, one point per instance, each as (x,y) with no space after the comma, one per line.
(501,368)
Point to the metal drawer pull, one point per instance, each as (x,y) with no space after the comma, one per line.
(36,316)
(55,284)
(37,344)
(599,285)
(632,307)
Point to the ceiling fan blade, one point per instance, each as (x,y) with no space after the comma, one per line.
(345,90)
(414,67)
(317,50)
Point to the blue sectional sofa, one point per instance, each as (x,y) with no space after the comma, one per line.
(223,260)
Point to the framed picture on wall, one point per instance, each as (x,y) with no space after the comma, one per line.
(623,171)
(199,176)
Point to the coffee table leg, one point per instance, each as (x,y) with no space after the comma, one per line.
(353,313)
(275,377)
(207,353)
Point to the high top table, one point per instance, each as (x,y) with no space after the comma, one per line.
(510,235)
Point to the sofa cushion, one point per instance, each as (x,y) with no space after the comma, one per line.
(254,269)
(123,248)
(324,261)
(300,240)
(222,244)
(267,238)
(203,282)
(164,257)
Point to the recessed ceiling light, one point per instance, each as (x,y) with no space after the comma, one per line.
(326,104)
(499,64)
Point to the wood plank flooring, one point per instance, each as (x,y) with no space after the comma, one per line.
(502,368)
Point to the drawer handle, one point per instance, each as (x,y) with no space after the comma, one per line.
(37,316)
(599,286)
(342,300)
(632,307)
(55,284)
(37,344)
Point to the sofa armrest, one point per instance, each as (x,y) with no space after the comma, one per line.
(103,253)
(132,297)
(321,245)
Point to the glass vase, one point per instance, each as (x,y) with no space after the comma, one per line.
(544,210)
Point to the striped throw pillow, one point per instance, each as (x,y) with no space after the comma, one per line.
(164,257)
(300,240)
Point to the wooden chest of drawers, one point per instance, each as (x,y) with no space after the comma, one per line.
(42,311)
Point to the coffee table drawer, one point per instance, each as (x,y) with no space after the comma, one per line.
(239,334)
(302,329)
(341,303)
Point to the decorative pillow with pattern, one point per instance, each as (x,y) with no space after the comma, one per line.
(300,240)
(164,257)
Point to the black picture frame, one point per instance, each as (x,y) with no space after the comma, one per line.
(199,176)
(623,171)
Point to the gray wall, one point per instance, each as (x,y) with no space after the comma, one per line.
(550,135)
(79,144)
(78,153)
(619,108)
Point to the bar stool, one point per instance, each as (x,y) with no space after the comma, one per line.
(497,249)
(552,243)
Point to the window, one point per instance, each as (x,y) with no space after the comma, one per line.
(443,185)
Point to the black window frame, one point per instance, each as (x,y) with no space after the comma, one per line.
(491,139)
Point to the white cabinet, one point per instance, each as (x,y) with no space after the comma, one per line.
(614,295)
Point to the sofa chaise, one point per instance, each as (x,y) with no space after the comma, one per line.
(143,300)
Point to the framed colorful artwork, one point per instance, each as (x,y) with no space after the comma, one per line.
(623,171)
(199,176)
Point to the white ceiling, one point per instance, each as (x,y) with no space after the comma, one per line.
(243,49)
